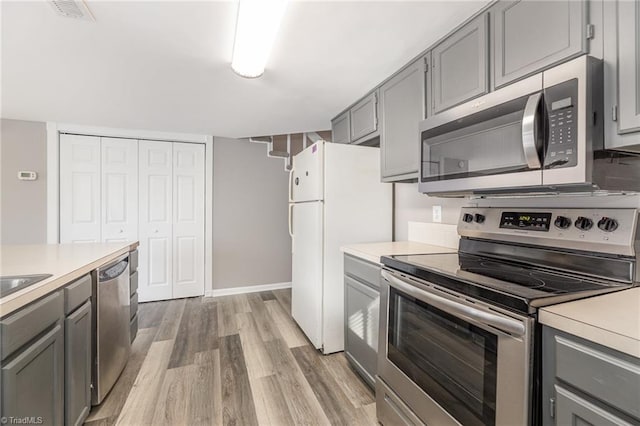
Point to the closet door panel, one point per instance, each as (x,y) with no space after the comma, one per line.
(80,216)
(188,219)
(119,189)
(155,220)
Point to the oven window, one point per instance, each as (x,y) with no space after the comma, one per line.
(453,361)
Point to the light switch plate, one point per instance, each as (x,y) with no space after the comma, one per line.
(437,214)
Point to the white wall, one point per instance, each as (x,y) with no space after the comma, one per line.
(23,204)
(410,205)
(251,244)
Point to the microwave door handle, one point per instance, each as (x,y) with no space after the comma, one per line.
(507,325)
(529,131)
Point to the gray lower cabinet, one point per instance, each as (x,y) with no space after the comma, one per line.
(528,36)
(341,128)
(77,359)
(459,65)
(33,376)
(587,383)
(402,106)
(363,118)
(571,409)
(361,316)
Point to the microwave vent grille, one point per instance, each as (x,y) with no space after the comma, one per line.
(76,9)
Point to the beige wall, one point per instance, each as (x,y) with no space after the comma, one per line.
(251,244)
(410,205)
(23,204)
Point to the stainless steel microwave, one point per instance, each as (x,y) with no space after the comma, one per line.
(543,134)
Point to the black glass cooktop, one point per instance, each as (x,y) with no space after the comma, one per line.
(510,284)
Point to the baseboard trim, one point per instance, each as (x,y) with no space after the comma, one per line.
(248,289)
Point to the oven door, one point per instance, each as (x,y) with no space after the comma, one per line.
(491,143)
(452,360)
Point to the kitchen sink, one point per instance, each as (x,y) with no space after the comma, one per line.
(12,284)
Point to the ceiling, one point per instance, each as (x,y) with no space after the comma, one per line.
(164,66)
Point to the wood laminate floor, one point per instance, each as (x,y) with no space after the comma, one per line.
(235,360)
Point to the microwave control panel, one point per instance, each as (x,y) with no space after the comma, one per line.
(561,101)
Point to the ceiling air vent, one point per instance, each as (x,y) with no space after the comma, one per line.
(76,9)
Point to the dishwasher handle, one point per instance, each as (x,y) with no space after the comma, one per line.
(113,270)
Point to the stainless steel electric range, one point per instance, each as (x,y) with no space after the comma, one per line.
(459,341)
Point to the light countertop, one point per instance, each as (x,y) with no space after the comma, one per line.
(373,251)
(612,320)
(65,261)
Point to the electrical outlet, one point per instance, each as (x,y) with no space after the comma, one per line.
(437,214)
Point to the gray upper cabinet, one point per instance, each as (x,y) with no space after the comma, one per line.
(364,118)
(622,74)
(341,128)
(459,65)
(402,106)
(629,65)
(528,36)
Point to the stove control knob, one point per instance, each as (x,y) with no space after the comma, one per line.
(562,222)
(608,224)
(467,218)
(584,223)
(479,218)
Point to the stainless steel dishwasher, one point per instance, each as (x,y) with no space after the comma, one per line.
(111,341)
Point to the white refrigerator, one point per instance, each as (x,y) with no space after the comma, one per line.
(335,198)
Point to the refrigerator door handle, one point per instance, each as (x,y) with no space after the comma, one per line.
(290,220)
(291,187)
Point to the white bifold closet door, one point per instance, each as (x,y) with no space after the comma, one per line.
(171,201)
(119,189)
(98,189)
(125,190)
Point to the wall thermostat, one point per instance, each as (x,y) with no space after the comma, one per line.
(26,175)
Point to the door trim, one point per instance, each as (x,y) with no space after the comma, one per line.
(53,180)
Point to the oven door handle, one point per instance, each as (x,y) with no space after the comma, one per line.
(529,131)
(505,324)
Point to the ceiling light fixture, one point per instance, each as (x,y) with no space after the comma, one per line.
(256,29)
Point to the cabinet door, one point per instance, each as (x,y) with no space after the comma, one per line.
(77,364)
(80,189)
(188,220)
(33,381)
(572,409)
(402,107)
(529,36)
(364,117)
(459,66)
(361,315)
(156,220)
(629,65)
(341,128)
(119,189)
